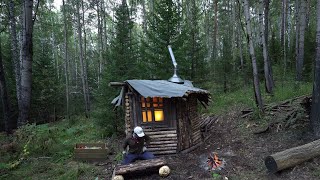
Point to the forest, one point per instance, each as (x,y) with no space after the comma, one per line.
(58,57)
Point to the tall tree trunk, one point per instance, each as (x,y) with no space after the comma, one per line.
(283,21)
(233,6)
(100,48)
(85,56)
(302,26)
(215,33)
(6,105)
(144,15)
(267,75)
(14,49)
(256,83)
(297,6)
(82,64)
(66,61)
(315,113)
(26,62)
(283,32)
(266,35)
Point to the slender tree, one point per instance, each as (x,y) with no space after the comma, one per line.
(14,49)
(6,104)
(215,33)
(66,60)
(256,82)
(82,63)
(267,76)
(315,113)
(300,50)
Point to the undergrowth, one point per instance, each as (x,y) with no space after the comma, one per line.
(46,151)
(222,102)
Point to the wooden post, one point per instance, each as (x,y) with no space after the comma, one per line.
(292,157)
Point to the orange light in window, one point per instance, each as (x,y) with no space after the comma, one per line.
(145,118)
(158,115)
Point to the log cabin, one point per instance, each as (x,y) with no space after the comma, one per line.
(166,110)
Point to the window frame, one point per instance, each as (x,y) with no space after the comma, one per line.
(152,109)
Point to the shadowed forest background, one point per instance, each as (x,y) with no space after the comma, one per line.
(56,62)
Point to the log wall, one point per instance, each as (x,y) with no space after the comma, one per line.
(194,120)
(128,114)
(188,123)
(163,140)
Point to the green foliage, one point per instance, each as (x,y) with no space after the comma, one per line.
(222,102)
(164,24)
(44,150)
(216,176)
(123,64)
(193,66)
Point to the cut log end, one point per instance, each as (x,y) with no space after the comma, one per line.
(271,164)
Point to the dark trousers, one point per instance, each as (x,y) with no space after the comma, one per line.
(129,158)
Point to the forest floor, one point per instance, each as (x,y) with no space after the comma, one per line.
(241,141)
(237,143)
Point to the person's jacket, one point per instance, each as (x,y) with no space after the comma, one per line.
(136,144)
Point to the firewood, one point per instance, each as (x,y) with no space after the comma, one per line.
(292,157)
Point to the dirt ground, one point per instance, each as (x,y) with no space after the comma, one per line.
(242,151)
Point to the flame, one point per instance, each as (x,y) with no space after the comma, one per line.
(214,162)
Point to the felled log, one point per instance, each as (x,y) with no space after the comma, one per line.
(140,166)
(292,157)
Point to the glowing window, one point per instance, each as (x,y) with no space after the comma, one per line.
(152,109)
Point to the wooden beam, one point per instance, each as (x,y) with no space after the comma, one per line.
(117,84)
(292,157)
(140,166)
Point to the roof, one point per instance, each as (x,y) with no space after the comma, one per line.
(162,88)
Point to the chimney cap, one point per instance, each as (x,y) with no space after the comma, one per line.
(176,79)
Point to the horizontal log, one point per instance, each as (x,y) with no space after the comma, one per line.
(164,152)
(148,129)
(162,148)
(161,132)
(291,157)
(162,145)
(163,139)
(140,166)
(117,84)
(163,142)
(163,136)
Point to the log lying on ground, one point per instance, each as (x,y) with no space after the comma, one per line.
(140,166)
(292,157)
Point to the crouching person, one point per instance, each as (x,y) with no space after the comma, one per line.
(137,147)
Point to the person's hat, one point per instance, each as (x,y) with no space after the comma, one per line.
(138,130)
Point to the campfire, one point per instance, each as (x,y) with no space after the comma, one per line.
(214,162)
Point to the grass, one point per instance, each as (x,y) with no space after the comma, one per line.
(47,151)
(222,102)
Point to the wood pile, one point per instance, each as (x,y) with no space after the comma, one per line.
(206,126)
(291,111)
